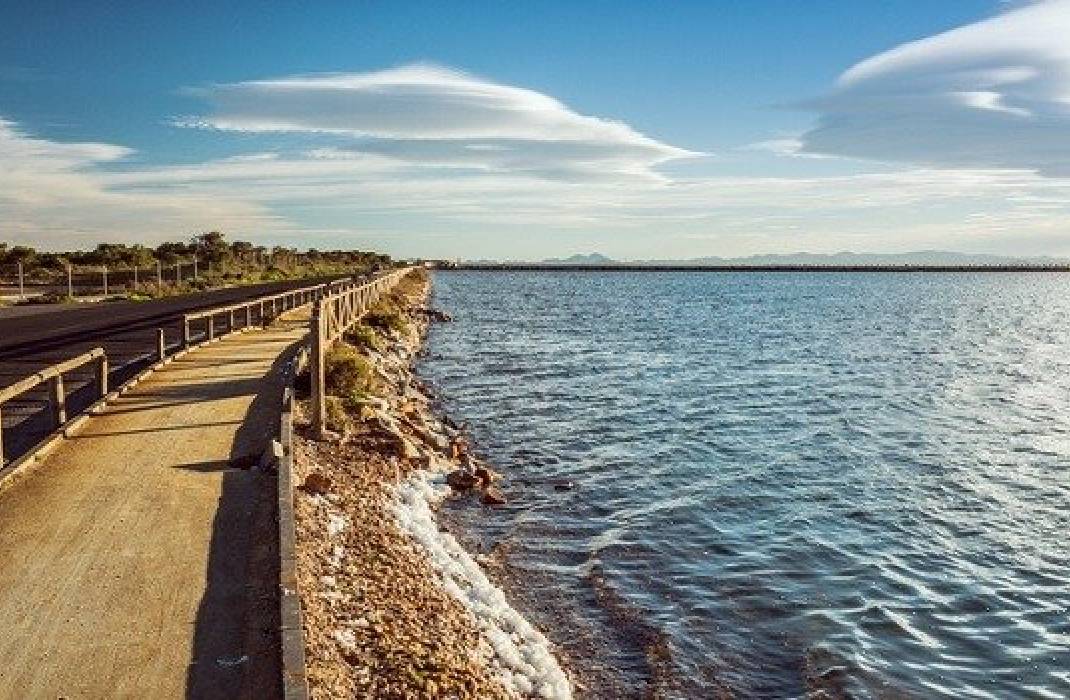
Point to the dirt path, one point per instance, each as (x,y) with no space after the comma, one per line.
(138,559)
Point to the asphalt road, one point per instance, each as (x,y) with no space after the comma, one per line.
(126,331)
(37,335)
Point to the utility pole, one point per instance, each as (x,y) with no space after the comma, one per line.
(178,273)
(22,288)
(135,277)
(194,267)
(70,281)
(105,270)
(159,275)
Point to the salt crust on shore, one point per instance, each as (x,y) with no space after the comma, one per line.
(523,660)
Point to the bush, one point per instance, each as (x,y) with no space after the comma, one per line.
(47,298)
(362,336)
(387,319)
(347,374)
(337,418)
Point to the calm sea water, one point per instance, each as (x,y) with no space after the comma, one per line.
(785,485)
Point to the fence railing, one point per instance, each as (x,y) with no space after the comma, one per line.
(332,315)
(261,309)
(57,394)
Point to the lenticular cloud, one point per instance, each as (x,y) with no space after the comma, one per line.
(432,115)
(994,94)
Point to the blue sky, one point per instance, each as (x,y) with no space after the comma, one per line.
(524,130)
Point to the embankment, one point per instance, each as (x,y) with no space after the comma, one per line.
(393,606)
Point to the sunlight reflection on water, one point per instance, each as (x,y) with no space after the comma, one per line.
(789,484)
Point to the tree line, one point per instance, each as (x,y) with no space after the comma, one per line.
(209,248)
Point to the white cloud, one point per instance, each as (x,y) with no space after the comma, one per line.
(994,94)
(56,194)
(436,116)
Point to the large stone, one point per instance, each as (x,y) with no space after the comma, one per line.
(486,476)
(461,480)
(493,496)
(316,482)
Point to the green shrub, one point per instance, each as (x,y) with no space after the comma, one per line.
(362,336)
(337,418)
(347,374)
(387,319)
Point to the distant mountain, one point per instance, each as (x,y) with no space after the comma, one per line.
(579,259)
(847,258)
(843,258)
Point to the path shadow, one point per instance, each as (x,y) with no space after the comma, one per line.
(236,643)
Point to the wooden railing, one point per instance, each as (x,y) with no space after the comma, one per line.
(332,315)
(57,394)
(262,308)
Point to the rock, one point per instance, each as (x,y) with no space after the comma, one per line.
(406,450)
(461,480)
(486,476)
(436,315)
(493,496)
(316,482)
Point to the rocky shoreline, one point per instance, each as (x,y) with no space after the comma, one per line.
(393,606)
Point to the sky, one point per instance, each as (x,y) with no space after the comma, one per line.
(530,130)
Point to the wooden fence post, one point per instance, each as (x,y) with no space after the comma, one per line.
(186,335)
(249,316)
(102,375)
(317,372)
(161,345)
(58,401)
(211,327)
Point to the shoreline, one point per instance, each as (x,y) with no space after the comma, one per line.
(393,605)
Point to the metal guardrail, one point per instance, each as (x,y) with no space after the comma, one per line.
(332,315)
(57,395)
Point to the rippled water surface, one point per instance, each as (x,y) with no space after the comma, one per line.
(785,485)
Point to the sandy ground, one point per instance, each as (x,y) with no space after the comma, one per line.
(139,559)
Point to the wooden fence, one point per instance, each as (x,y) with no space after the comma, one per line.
(57,395)
(332,315)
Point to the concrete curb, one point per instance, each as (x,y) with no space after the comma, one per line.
(291,629)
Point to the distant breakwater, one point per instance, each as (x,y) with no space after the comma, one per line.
(539,267)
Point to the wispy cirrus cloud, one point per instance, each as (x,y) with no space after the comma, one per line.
(993,94)
(426,114)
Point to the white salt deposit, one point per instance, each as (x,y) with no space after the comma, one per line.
(336,524)
(521,653)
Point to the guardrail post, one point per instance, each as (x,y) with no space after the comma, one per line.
(58,401)
(161,345)
(102,375)
(248,315)
(211,327)
(317,372)
(233,323)
(187,339)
